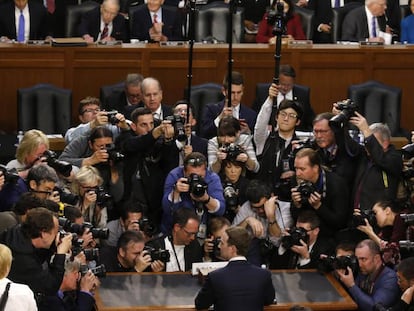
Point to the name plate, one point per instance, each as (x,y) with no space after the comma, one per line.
(173,43)
(370,44)
(110,43)
(300,43)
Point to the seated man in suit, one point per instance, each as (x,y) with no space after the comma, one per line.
(22,21)
(154,22)
(214,112)
(181,242)
(287,89)
(366,22)
(239,285)
(152,99)
(126,101)
(103,23)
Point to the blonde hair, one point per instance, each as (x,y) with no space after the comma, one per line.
(5,260)
(32,139)
(86,175)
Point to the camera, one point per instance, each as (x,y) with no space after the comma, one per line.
(341,262)
(97,233)
(76,242)
(296,234)
(408,173)
(282,188)
(102,197)
(98,271)
(158,254)
(178,122)
(62,167)
(230,196)
(216,247)
(347,108)
(408,218)
(305,188)
(198,186)
(90,253)
(359,220)
(146,226)
(406,244)
(232,151)
(111,117)
(11,176)
(408,151)
(67,197)
(114,154)
(276,18)
(308,143)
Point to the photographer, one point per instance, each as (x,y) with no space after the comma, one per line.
(392,230)
(379,169)
(143,147)
(76,292)
(230,144)
(263,217)
(274,149)
(192,186)
(129,255)
(322,191)
(301,247)
(217,226)
(33,245)
(374,283)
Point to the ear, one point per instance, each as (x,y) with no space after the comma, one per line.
(176,227)
(224,91)
(32,185)
(121,252)
(90,144)
(133,126)
(316,230)
(298,122)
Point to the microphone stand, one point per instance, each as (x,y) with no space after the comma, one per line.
(232,11)
(191,7)
(278,30)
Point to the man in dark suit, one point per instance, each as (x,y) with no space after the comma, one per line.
(103,23)
(214,112)
(152,99)
(154,22)
(240,285)
(33,11)
(128,99)
(287,89)
(359,26)
(182,243)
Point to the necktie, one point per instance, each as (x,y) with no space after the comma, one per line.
(374,27)
(104,32)
(50,6)
(20,34)
(337,3)
(155,18)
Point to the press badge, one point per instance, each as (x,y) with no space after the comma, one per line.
(285,164)
(202,231)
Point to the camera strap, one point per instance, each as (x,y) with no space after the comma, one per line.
(170,238)
(4,297)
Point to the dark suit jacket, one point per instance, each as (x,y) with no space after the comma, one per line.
(38,21)
(166,110)
(118,101)
(212,110)
(355,25)
(91,22)
(192,252)
(238,286)
(142,22)
(72,301)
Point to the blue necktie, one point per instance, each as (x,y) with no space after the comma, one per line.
(20,35)
(374,27)
(337,3)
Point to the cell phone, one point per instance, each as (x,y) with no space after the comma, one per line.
(242,120)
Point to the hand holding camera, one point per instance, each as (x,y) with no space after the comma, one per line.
(361,123)
(347,277)
(63,243)
(89,282)
(270,208)
(142,261)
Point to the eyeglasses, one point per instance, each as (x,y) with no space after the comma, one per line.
(285,115)
(195,162)
(189,233)
(134,95)
(91,110)
(321,132)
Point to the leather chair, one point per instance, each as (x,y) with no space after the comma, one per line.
(405,11)
(44,107)
(378,102)
(107,90)
(201,95)
(73,17)
(212,22)
(338,16)
(306,16)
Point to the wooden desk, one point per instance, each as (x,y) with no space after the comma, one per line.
(176,291)
(327,69)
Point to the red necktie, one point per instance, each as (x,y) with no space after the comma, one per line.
(104,32)
(155,18)
(50,6)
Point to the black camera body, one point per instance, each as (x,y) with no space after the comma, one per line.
(11,176)
(231,196)
(146,226)
(296,234)
(62,167)
(114,154)
(158,254)
(102,197)
(340,262)
(359,220)
(347,108)
(232,151)
(111,117)
(305,188)
(216,247)
(79,229)
(198,186)
(276,18)
(178,122)
(98,271)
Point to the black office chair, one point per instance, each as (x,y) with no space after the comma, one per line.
(212,23)
(338,16)
(306,17)
(201,95)
(405,11)
(73,17)
(44,107)
(378,102)
(107,90)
